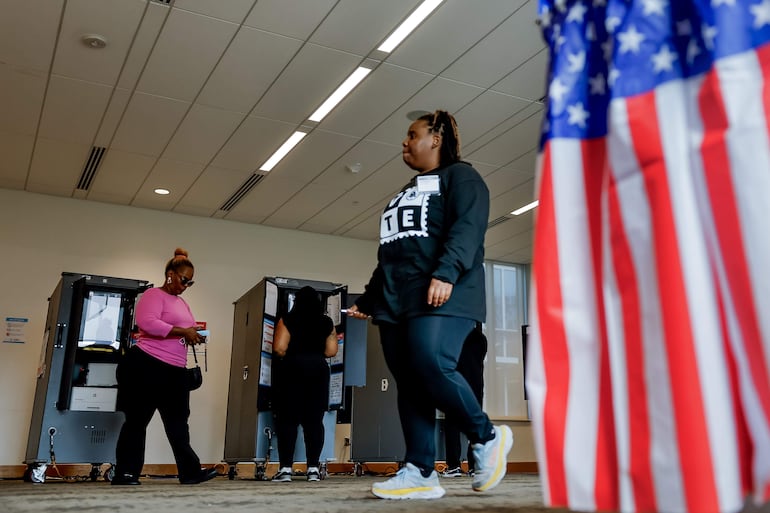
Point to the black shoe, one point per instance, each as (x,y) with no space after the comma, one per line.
(125,479)
(205,474)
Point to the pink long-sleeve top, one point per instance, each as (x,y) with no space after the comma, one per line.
(157,313)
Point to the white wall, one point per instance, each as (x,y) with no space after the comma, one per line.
(43,236)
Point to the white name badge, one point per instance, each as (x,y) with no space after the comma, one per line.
(428,184)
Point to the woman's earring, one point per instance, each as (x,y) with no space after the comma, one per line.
(168,280)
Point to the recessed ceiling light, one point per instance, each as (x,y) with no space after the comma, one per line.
(162,192)
(94,40)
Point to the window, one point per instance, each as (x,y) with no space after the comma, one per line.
(507,298)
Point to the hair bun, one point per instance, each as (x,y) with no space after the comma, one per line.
(180,253)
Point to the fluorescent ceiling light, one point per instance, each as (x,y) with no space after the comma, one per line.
(525,208)
(341,92)
(281,152)
(409,25)
(162,192)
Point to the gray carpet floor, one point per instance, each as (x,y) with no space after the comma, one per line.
(519,493)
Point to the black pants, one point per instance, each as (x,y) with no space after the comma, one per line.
(471,366)
(146,384)
(422,354)
(301,398)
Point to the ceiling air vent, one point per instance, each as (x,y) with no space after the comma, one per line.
(164,2)
(242,191)
(91,167)
(497,221)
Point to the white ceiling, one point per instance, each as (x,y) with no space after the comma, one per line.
(196,95)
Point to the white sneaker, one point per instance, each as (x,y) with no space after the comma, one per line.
(408,483)
(452,472)
(313,474)
(491,459)
(283,475)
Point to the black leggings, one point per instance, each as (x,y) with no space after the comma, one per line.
(471,366)
(146,384)
(422,355)
(301,397)
(286,424)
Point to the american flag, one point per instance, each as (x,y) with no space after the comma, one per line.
(649,362)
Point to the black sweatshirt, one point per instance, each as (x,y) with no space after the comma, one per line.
(434,228)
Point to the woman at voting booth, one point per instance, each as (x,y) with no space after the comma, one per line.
(303,339)
(152,376)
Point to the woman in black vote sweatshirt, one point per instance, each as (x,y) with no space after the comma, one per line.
(426,295)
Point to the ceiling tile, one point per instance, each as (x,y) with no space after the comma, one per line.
(56,166)
(519,34)
(503,202)
(73,110)
(210,190)
(359,27)
(115,20)
(264,199)
(148,124)
(306,82)
(16,150)
(21,95)
(113,115)
(383,91)
(515,249)
(247,69)
(484,113)
(371,155)
(453,28)
(367,229)
(253,143)
(28,32)
(505,179)
(180,64)
(512,227)
(372,194)
(174,175)
(119,176)
(312,155)
(439,93)
(231,10)
(279,16)
(518,140)
(346,212)
(528,113)
(528,80)
(306,203)
(144,41)
(201,134)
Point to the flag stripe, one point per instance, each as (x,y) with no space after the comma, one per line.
(579,318)
(743,437)
(639,465)
(635,218)
(551,336)
(606,484)
(692,436)
(728,227)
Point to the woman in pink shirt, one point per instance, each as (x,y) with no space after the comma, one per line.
(151,377)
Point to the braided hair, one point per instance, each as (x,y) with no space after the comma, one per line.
(443,123)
